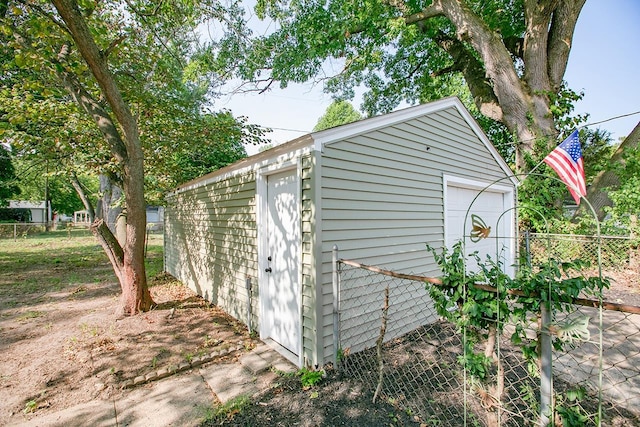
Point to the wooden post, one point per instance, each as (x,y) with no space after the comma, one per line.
(379,342)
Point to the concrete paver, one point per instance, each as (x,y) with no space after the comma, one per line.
(179,400)
(229,381)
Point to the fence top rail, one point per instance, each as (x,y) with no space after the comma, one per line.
(22,223)
(577,236)
(390,273)
(625,308)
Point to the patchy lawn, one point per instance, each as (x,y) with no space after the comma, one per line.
(61,342)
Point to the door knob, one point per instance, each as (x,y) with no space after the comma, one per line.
(268,270)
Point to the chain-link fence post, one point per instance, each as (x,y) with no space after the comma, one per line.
(546,372)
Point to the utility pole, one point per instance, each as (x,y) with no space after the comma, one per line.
(47,216)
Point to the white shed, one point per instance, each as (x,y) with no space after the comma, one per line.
(38,209)
(379,189)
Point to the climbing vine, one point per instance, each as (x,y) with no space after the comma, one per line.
(482,303)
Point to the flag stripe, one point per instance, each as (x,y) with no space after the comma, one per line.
(566,160)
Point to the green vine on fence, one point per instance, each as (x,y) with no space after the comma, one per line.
(481,303)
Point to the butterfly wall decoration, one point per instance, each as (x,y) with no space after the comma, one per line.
(479,229)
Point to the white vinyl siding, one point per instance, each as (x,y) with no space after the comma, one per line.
(211,242)
(382,201)
(374,188)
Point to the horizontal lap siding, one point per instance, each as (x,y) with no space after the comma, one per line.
(382,200)
(211,242)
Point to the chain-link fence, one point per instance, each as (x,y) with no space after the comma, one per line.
(393,341)
(616,251)
(18,230)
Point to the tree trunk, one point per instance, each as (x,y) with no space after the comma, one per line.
(83,196)
(521,102)
(598,191)
(127,261)
(107,208)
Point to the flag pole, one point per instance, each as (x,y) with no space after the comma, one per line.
(536,166)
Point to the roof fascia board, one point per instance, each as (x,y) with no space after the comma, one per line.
(279,155)
(368,125)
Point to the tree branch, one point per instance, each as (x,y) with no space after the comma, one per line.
(110,245)
(107,52)
(474,74)
(83,196)
(68,10)
(537,16)
(435,9)
(84,99)
(563,25)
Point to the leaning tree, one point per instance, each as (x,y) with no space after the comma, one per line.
(111,58)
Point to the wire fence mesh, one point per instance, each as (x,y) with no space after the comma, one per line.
(20,230)
(616,251)
(393,341)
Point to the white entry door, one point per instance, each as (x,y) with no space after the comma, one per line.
(281,317)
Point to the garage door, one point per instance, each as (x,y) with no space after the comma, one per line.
(486,210)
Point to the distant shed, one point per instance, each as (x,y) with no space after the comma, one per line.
(379,189)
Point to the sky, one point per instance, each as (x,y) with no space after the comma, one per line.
(604,64)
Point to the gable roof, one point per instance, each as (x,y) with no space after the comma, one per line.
(26,204)
(317,140)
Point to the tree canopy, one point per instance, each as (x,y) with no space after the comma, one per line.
(180,135)
(8,186)
(512,56)
(338,113)
(506,60)
(117,83)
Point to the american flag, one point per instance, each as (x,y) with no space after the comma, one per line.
(566,160)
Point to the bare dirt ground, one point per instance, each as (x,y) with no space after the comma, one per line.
(625,287)
(61,343)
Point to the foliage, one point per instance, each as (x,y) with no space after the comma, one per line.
(569,409)
(481,312)
(34,175)
(8,187)
(415,52)
(338,113)
(543,192)
(205,142)
(626,198)
(310,378)
(180,136)
(471,308)
(227,411)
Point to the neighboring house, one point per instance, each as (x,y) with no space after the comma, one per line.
(379,189)
(38,209)
(155,217)
(81,219)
